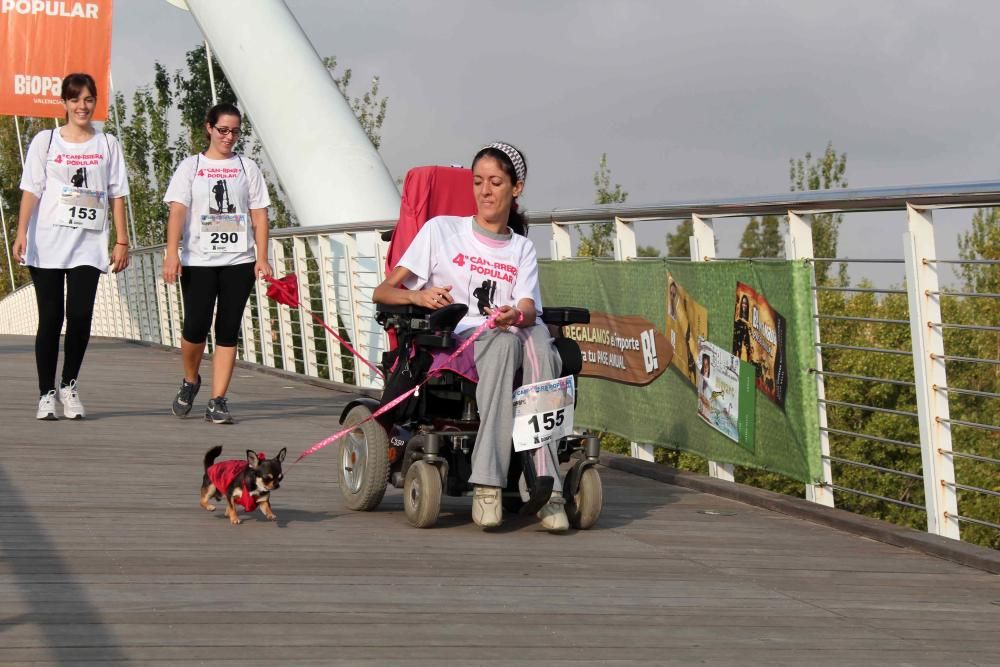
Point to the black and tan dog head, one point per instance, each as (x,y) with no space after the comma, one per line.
(267,472)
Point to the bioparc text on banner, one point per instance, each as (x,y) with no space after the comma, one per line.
(41,41)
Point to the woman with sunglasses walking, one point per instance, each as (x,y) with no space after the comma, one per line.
(217,235)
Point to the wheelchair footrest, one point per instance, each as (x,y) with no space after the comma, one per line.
(540,491)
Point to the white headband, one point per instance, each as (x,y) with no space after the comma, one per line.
(520,171)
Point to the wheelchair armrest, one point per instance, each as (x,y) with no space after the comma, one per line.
(441,323)
(405,309)
(561,316)
(418,318)
(447,317)
(402,317)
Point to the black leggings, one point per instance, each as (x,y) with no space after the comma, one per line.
(202,286)
(80,292)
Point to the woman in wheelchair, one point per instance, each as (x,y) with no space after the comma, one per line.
(487,262)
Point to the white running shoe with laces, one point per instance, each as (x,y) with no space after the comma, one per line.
(69,396)
(553,514)
(47,407)
(487,510)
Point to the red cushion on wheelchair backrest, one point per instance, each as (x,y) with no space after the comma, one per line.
(429,192)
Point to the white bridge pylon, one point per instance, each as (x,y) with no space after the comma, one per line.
(326,164)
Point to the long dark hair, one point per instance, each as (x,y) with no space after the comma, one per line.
(219,110)
(517,221)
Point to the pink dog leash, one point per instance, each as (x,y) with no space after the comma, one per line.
(286,291)
(490,323)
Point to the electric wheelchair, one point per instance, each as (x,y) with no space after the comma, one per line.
(424,444)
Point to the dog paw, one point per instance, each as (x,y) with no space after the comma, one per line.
(208,508)
(234,520)
(272,517)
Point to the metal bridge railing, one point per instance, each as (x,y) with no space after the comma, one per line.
(918,401)
(910,400)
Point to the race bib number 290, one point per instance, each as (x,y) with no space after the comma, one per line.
(543,413)
(224,232)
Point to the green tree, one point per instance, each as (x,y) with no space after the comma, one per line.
(152,152)
(762,238)
(679,241)
(600,241)
(369,109)
(10,190)
(194,99)
(980,246)
(148,212)
(828,172)
(647,251)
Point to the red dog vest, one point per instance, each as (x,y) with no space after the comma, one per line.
(223,473)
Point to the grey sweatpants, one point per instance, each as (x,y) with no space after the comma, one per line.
(499,354)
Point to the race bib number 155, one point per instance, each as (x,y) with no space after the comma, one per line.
(543,413)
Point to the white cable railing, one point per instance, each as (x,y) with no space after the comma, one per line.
(337,270)
(338,267)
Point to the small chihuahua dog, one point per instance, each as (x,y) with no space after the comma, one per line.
(248,483)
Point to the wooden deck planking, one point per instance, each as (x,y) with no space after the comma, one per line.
(106,557)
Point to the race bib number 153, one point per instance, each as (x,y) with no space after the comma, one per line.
(82,209)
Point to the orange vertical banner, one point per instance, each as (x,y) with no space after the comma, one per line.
(41,41)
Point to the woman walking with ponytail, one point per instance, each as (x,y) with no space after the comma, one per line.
(217,246)
(74,176)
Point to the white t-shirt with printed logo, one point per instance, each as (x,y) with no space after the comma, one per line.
(52,164)
(447,252)
(206,186)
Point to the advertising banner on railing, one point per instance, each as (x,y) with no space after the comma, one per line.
(41,41)
(751,320)
(624,349)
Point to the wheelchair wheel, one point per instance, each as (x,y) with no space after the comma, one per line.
(363,456)
(584,507)
(422,494)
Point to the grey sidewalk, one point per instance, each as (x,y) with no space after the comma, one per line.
(106,558)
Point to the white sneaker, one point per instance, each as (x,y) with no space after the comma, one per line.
(487,510)
(69,396)
(47,407)
(553,514)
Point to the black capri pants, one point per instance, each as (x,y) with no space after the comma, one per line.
(202,287)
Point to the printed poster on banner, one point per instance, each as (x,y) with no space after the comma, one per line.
(759,338)
(687,323)
(41,42)
(543,412)
(621,348)
(726,394)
